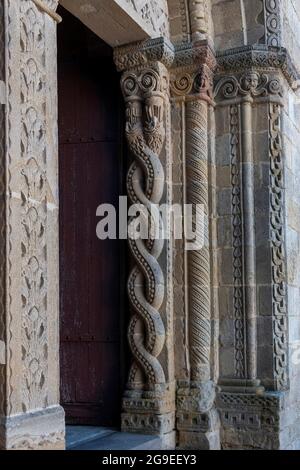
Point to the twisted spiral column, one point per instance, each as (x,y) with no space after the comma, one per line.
(198,260)
(145,183)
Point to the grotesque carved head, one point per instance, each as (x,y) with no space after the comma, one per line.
(250,82)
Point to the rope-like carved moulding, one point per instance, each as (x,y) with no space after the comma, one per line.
(148,404)
(192,82)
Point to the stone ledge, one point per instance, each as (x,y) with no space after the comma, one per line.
(40,430)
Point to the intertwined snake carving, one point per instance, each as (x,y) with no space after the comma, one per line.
(145,133)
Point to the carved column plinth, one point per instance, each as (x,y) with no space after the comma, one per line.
(197,419)
(149,401)
(30,415)
(248,92)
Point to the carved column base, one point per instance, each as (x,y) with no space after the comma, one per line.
(197,418)
(251,421)
(41,430)
(150,413)
(241,386)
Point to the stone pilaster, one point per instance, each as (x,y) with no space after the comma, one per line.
(197,420)
(149,401)
(252,293)
(30,413)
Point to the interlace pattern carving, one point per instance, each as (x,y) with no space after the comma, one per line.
(279,307)
(145,131)
(272,23)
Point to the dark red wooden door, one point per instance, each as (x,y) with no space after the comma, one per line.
(90,147)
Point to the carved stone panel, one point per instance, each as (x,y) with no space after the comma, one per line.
(30,225)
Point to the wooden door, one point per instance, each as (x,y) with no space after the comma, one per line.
(90,147)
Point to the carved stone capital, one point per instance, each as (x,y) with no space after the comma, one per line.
(249,84)
(193,54)
(144,54)
(192,71)
(257,59)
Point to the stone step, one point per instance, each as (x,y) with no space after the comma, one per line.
(97,438)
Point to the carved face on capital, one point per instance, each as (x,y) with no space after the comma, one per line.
(250,82)
(133,116)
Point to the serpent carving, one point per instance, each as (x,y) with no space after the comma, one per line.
(145,133)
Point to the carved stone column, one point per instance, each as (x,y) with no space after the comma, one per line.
(30,415)
(149,402)
(197,420)
(252,292)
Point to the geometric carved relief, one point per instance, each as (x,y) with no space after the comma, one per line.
(272,23)
(237,228)
(154,13)
(279,290)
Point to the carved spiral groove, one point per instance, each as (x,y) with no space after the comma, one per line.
(198,260)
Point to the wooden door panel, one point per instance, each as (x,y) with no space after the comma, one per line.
(90,145)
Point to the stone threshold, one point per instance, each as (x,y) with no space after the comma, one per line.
(100,438)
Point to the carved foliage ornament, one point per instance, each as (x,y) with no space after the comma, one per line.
(249,84)
(192,71)
(144,94)
(259,58)
(34,210)
(197,83)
